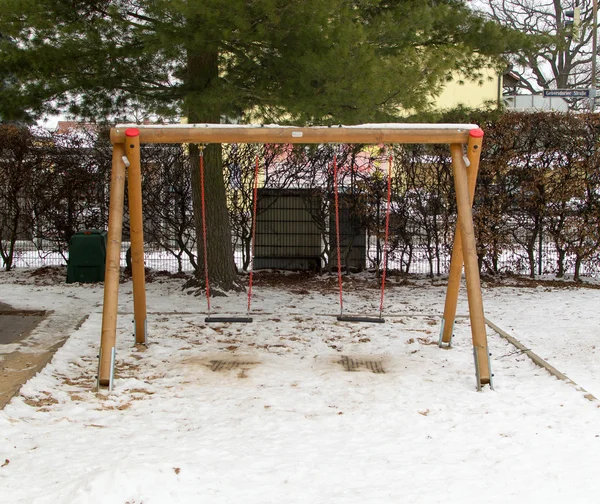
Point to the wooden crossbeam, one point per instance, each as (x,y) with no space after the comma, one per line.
(363,134)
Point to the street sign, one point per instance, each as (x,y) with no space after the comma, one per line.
(567,93)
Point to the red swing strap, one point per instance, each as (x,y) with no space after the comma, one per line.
(205,248)
(255,198)
(387,232)
(337,233)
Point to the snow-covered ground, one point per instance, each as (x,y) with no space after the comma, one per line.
(266,413)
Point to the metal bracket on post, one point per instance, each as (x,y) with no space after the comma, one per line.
(145,343)
(441,344)
(98,375)
(490,368)
(111,378)
(477,371)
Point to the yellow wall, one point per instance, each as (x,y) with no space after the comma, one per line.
(470,94)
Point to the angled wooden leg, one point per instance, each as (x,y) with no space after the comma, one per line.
(465,225)
(136,226)
(113,269)
(456,263)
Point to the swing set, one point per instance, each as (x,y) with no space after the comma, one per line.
(126,157)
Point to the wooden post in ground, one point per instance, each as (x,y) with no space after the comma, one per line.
(456,263)
(465,227)
(136,226)
(113,268)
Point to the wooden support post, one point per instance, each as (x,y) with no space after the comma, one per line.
(136,226)
(465,226)
(113,267)
(456,263)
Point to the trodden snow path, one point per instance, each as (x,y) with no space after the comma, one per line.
(266,412)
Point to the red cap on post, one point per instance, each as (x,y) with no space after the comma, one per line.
(476,133)
(132,132)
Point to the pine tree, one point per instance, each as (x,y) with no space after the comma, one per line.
(299,61)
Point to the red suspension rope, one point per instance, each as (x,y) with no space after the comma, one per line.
(337,233)
(253,233)
(205,248)
(387,232)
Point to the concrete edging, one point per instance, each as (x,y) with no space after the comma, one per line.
(539,361)
(25,365)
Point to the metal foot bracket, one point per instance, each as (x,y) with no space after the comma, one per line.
(111,378)
(477,370)
(441,344)
(145,343)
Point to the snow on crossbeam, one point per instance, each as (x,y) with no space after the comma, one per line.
(273,133)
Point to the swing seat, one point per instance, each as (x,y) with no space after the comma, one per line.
(353,318)
(242,320)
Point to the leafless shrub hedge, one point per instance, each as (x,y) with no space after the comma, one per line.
(537,205)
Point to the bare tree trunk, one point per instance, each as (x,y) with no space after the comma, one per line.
(561,263)
(202,71)
(578,261)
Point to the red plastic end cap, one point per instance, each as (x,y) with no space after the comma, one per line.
(132,132)
(476,133)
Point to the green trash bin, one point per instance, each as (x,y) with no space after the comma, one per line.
(87,256)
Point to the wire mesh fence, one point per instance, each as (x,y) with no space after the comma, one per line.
(419,259)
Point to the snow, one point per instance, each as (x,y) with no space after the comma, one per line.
(392,126)
(287,424)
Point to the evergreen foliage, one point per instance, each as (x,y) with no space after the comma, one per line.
(309,61)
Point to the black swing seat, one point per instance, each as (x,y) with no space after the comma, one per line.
(242,320)
(352,318)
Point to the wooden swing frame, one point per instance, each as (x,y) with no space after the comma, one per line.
(126,140)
